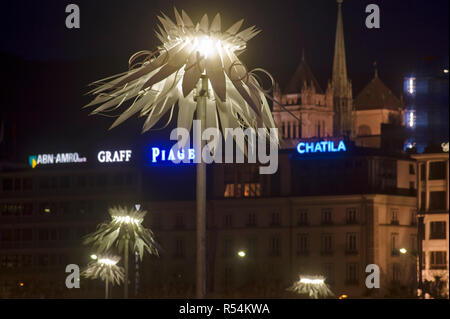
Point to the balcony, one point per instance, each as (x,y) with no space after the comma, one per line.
(351,252)
(438,266)
(352,282)
(304,253)
(395,252)
(395,222)
(437,235)
(326,253)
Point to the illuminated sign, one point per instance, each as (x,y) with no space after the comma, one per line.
(60,158)
(321,147)
(160,155)
(114,156)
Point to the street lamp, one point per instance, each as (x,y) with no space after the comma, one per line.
(190,60)
(105,267)
(314,286)
(125,231)
(403,250)
(241,253)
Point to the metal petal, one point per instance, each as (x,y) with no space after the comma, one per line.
(235,27)
(214,71)
(215,24)
(204,23)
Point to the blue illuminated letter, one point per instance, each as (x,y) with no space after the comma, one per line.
(299,148)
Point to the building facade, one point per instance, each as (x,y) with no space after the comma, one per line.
(433,204)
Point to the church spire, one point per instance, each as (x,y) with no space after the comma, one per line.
(342,88)
(339,63)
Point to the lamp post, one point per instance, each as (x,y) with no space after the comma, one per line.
(123,230)
(192,56)
(105,267)
(201,192)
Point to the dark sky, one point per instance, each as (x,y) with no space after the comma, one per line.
(46,66)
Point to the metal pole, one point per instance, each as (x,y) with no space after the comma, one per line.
(106,289)
(201,194)
(125,261)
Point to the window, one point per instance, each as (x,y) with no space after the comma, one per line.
(394,216)
(326,244)
(27,234)
(352,274)
(438,171)
(326,216)
(252,190)
(328,272)
(394,244)
(422,172)
(275,219)
(302,217)
(351,216)
(438,200)
(412,171)
(7,184)
(413,217)
(251,220)
(43,234)
(438,230)
(351,244)
(252,250)
(179,222)
(27,184)
(228,277)
(438,260)
(179,248)
(27,209)
(413,244)
(64,181)
(274,248)
(227,247)
(302,244)
(229,190)
(17,184)
(228,221)
(395,272)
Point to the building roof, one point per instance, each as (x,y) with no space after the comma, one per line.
(376,95)
(302,74)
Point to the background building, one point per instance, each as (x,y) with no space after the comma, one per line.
(433,203)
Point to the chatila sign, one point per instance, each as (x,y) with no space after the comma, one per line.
(321,147)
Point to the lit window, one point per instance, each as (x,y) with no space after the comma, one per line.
(410,85)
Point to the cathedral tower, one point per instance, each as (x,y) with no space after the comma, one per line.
(342,87)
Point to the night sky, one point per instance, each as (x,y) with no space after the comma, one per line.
(46,67)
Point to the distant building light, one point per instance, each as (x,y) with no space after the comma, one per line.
(445,147)
(21,284)
(343,296)
(410,85)
(47,210)
(403,250)
(411,118)
(445,70)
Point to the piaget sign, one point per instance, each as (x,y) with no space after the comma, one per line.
(59,158)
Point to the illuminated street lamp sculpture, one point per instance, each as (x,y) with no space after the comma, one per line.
(106,269)
(191,59)
(314,286)
(125,231)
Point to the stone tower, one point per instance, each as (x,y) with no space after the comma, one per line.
(342,87)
